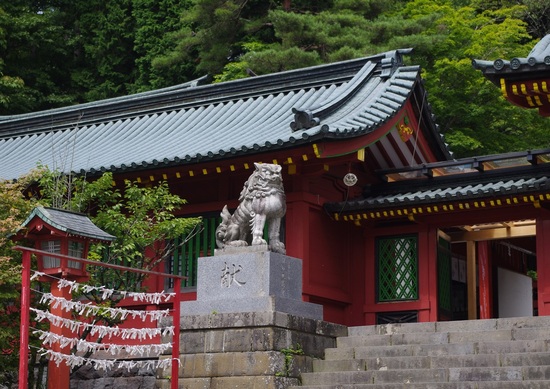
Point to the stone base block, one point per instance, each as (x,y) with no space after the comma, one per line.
(257,281)
(249,349)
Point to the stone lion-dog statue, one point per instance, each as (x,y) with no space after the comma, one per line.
(261,201)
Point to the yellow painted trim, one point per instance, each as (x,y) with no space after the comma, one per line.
(289,160)
(530,101)
(326,167)
(304,157)
(218,169)
(246,166)
(151,178)
(361,155)
(503,87)
(178,175)
(536,87)
(523,89)
(138,180)
(316,150)
(291,169)
(544,87)
(191,173)
(537,100)
(275,162)
(164,176)
(515,90)
(113,183)
(232,168)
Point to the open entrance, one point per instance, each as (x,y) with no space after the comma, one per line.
(487,271)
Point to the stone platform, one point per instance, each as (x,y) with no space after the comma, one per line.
(267,350)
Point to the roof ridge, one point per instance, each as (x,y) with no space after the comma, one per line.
(179,96)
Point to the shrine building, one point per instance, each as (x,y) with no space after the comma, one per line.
(389,227)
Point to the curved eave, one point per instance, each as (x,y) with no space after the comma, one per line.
(477,187)
(216,122)
(443,205)
(70,223)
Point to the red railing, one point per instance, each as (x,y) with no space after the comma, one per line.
(25,308)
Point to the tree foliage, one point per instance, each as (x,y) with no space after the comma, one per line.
(59,52)
(14,208)
(141,218)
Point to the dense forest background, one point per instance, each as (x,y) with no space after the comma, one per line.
(55,53)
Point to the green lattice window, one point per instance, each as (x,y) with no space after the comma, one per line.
(184,259)
(397,268)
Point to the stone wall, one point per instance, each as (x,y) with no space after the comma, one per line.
(249,350)
(86,377)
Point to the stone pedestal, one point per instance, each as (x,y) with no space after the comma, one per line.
(249,327)
(248,281)
(249,350)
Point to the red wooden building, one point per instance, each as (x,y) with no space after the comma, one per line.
(412,236)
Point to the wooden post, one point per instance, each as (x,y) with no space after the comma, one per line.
(25,318)
(484,271)
(471,271)
(176,340)
(59,376)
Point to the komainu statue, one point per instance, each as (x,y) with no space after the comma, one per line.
(262,201)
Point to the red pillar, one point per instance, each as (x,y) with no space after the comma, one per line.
(25,317)
(543,266)
(427,269)
(484,280)
(58,376)
(176,321)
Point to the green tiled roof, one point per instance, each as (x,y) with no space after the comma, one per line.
(536,61)
(71,223)
(509,174)
(194,123)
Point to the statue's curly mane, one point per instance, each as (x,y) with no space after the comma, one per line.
(261,199)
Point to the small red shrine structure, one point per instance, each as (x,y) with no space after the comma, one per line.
(60,232)
(389,227)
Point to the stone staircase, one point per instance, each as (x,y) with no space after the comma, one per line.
(496,353)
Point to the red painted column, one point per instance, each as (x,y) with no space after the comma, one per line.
(433,274)
(25,317)
(176,321)
(543,266)
(58,376)
(484,280)
(370,279)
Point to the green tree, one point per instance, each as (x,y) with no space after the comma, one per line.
(32,59)
(142,218)
(14,208)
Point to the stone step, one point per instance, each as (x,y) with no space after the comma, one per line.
(427,362)
(439,375)
(439,385)
(516,346)
(375,376)
(478,354)
(444,337)
(453,326)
